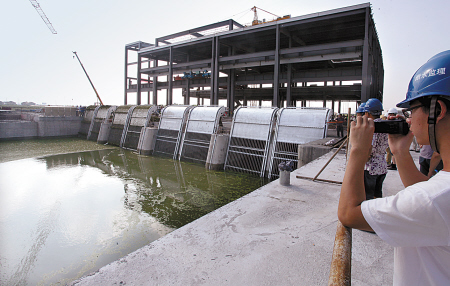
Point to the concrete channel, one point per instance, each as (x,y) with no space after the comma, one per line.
(276,235)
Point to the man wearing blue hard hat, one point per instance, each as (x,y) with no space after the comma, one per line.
(416,221)
(376,166)
(360,109)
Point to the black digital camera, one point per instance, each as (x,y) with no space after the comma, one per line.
(394,126)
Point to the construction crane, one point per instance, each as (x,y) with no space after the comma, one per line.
(257,22)
(43,16)
(98,96)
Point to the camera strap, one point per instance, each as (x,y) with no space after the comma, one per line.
(432,124)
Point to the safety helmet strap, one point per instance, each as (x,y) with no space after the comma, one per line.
(432,124)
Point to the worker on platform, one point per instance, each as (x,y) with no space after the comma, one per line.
(360,109)
(376,166)
(340,125)
(416,221)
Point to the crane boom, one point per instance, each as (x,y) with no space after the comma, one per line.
(98,96)
(257,22)
(43,16)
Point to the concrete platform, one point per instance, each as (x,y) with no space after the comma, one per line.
(275,235)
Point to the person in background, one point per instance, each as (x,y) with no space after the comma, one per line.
(360,109)
(414,146)
(392,113)
(429,161)
(340,125)
(376,167)
(416,221)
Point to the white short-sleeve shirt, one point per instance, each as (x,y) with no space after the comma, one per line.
(416,222)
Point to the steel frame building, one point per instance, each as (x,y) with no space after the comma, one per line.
(302,58)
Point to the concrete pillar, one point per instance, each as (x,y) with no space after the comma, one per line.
(103,134)
(147,140)
(311,151)
(217,152)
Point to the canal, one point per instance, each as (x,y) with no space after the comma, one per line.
(65,215)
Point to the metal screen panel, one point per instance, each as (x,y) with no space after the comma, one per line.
(118,123)
(86,122)
(296,126)
(202,122)
(139,117)
(170,128)
(250,135)
(98,119)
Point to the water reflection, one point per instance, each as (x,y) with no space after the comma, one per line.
(65,216)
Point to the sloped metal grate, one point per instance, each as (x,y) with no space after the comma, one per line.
(170,130)
(86,122)
(246,155)
(202,123)
(250,136)
(140,117)
(98,119)
(296,126)
(118,124)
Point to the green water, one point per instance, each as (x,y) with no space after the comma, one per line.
(15,150)
(64,216)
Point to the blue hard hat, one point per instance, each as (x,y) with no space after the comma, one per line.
(373,106)
(360,108)
(433,78)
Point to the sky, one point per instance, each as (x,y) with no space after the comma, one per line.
(38,66)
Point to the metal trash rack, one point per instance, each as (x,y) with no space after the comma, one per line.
(140,117)
(170,129)
(201,124)
(294,126)
(249,141)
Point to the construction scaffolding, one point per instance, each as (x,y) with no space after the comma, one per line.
(327,56)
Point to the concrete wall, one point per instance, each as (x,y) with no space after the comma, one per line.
(58,126)
(18,129)
(40,127)
(311,151)
(60,111)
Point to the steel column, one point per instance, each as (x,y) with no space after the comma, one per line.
(187,95)
(126,77)
(366,81)
(232,97)
(276,69)
(289,86)
(138,95)
(170,78)
(213,69)
(155,85)
(216,72)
